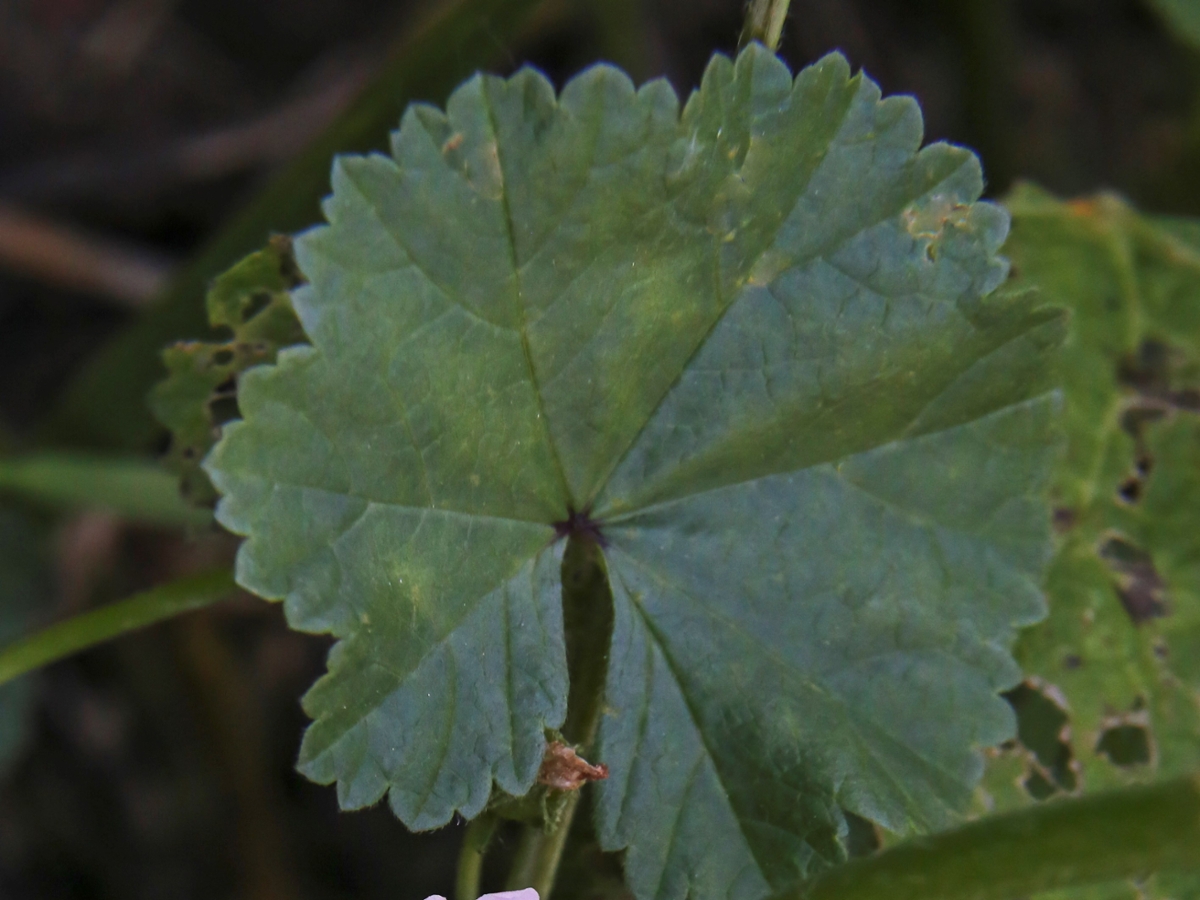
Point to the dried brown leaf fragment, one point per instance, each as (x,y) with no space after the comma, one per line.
(565,770)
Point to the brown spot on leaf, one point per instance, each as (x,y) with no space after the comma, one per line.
(1152,372)
(1147,369)
(1064,519)
(928,220)
(1138,584)
(1084,208)
(453,142)
(1187,399)
(565,770)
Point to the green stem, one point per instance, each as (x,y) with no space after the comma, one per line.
(764,23)
(91,628)
(470,857)
(129,487)
(587,622)
(1058,844)
(540,852)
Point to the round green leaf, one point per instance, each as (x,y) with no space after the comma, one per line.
(755,344)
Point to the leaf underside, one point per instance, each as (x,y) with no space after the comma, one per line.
(756,341)
(1113,696)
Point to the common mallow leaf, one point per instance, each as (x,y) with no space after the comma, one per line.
(751,350)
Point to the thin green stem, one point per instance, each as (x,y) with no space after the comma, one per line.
(470,857)
(764,23)
(587,621)
(95,627)
(129,487)
(1059,844)
(540,852)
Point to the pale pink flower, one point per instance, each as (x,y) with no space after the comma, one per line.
(523,894)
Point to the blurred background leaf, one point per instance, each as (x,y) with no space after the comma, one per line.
(1112,695)
(1182,17)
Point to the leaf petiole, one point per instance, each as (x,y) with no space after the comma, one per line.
(587,620)
(764,23)
(81,632)
(470,857)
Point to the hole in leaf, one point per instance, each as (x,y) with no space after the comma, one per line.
(1139,586)
(1130,490)
(1121,552)
(163,442)
(1125,745)
(224,409)
(258,301)
(1039,786)
(288,270)
(862,837)
(1043,728)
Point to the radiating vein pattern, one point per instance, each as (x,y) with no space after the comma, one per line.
(844,650)
(758,340)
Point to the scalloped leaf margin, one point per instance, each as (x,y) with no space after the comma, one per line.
(753,345)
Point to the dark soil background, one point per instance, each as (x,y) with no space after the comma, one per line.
(161,765)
